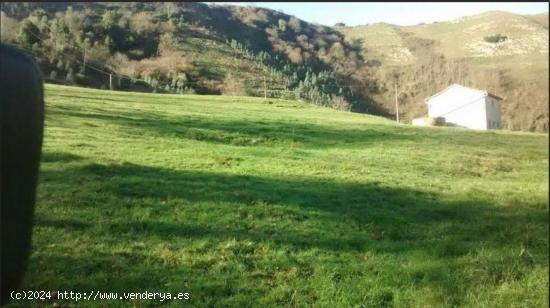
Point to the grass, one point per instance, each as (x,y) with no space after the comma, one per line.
(242,202)
(381,41)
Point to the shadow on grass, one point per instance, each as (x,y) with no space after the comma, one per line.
(388,214)
(74,97)
(49,157)
(290,215)
(63,223)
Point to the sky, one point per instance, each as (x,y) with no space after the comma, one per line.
(399,13)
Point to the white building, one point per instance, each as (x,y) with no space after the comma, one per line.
(466,107)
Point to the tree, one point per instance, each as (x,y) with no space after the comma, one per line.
(8,28)
(29,35)
(295,24)
(73,20)
(119,63)
(166,44)
(272,31)
(109,20)
(294,55)
(169,8)
(142,22)
(282,25)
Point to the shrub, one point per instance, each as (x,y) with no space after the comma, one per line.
(340,103)
(373,63)
(233,86)
(497,38)
(53,75)
(290,95)
(81,79)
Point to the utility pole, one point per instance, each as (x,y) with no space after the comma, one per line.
(265,89)
(395,74)
(396,103)
(110,81)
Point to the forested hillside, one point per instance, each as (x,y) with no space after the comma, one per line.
(187,47)
(504,53)
(232,50)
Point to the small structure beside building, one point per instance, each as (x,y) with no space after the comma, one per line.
(427,121)
(463,107)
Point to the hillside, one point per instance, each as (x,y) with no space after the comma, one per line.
(541,19)
(428,57)
(245,202)
(187,48)
(234,50)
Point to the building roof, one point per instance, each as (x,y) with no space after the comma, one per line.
(481,92)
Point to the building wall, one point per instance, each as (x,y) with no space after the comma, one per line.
(460,106)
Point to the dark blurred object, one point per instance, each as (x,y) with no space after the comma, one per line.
(22,123)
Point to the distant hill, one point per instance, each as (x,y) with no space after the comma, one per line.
(501,52)
(541,19)
(235,50)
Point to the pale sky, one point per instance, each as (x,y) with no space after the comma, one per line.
(399,13)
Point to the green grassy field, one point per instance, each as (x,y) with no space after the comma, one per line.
(243,202)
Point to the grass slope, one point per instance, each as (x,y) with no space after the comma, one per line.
(380,41)
(242,202)
(464,37)
(223,64)
(542,19)
(461,38)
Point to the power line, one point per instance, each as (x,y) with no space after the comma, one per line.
(103,71)
(161,85)
(459,107)
(133,79)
